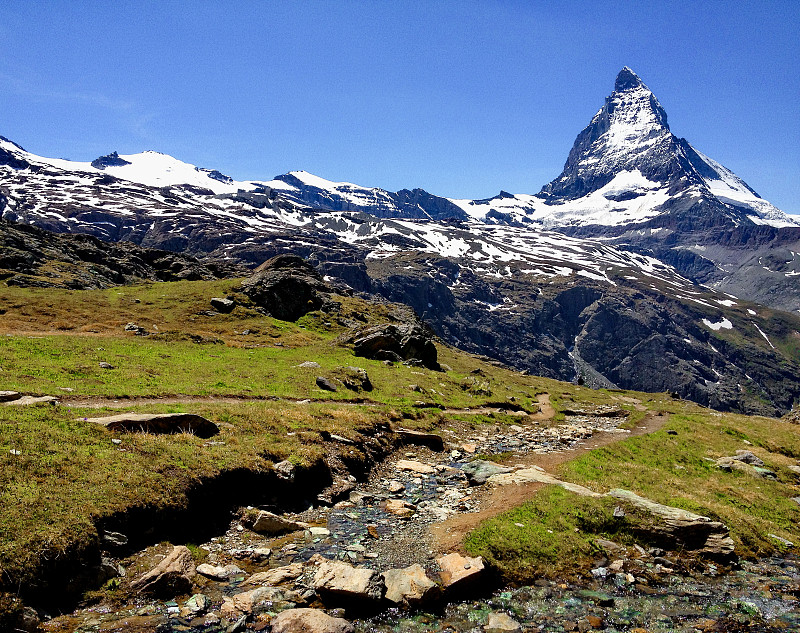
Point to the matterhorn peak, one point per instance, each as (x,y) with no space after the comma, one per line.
(628,80)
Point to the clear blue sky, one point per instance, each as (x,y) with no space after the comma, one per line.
(461,98)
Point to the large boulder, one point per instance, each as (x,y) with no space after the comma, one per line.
(396,341)
(336,581)
(459,573)
(287,287)
(160,423)
(272,524)
(309,621)
(675,526)
(171,577)
(409,586)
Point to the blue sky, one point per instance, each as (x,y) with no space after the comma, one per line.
(460,98)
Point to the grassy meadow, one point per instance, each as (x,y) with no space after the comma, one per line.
(60,475)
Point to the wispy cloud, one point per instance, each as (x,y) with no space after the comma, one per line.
(34,90)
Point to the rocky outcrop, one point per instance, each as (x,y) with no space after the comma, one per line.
(158,423)
(396,342)
(287,287)
(675,526)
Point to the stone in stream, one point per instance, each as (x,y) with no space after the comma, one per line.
(409,586)
(309,621)
(171,577)
(459,572)
(693,531)
(399,507)
(501,623)
(275,576)
(258,600)
(415,467)
(336,581)
(395,487)
(479,471)
(196,605)
(219,572)
(270,523)
(159,423)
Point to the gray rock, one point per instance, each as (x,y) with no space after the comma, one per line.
(409,586)
(24,401)
(405,341)
(8,396)
(285,470)
(310,364)
(109,569)
(354,378)
(693,531)
(336,581)
(270,523)
(478,471)
(263,599)
(326,384)
(222,304)
(158,423)
(105,365)
(309,621)
(748,458)
(171,577)
(138,330)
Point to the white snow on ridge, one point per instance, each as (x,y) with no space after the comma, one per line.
(722,325)
(599,207)
(731,189)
